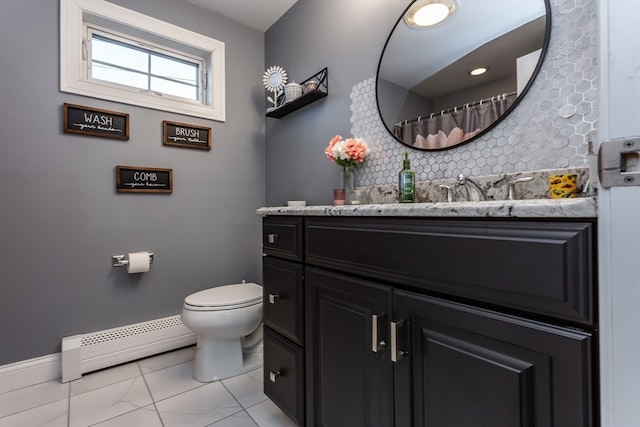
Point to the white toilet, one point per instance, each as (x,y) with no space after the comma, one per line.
(228,322)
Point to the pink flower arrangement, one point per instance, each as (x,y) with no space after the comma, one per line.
(347,152)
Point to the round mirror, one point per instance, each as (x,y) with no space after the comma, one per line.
(431,91)
(275,79)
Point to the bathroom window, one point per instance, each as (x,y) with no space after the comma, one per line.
(113,53)
(130,63)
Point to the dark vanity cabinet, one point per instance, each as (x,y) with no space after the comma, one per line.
(449,322)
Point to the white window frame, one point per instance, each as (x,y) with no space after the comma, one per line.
(73,66)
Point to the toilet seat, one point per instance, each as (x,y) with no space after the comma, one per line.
(228,297)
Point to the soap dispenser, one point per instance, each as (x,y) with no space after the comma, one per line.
(407,181)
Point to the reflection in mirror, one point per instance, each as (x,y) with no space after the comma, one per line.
(275,79)
(427,96)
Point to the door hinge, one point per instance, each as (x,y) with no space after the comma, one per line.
(619,162)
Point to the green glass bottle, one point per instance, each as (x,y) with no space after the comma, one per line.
(407,181)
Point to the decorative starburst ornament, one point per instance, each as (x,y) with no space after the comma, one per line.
(274,80)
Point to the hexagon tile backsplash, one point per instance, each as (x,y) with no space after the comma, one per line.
(548,129)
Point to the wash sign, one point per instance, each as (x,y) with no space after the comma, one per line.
(95,122)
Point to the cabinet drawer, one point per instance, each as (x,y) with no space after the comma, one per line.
(283,370)
(284,297)
(539,267)
(282,237)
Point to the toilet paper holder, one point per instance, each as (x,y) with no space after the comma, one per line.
(121,261)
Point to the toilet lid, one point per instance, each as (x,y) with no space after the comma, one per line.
(228,296)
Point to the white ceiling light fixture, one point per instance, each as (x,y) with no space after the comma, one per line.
(427,13)
(478,71)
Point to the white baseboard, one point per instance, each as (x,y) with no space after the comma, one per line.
(30,372)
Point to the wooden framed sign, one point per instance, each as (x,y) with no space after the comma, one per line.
(138,179)
(96,122)
(184,135)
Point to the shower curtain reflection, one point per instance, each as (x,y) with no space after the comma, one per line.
(453,126)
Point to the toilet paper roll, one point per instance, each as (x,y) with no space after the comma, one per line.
(139,262)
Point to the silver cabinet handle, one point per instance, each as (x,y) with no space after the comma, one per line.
(376,343)
(272,238)
(273,376)
(395,353)
(273,298)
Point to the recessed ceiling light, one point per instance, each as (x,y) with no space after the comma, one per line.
(478,71)
(427,13)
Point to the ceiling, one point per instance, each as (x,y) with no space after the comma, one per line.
(258,14)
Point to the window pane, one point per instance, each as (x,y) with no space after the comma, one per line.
(117,75)
(117,54)
(116,61)
(174,70)
(173,88)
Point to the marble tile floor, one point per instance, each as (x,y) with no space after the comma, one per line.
(158,391)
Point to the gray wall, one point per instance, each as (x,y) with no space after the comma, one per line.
(60,217)
(399,104)
(346,36)
(549,129)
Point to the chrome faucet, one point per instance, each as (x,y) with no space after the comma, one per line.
(512,186)
(448,197)
(465,181)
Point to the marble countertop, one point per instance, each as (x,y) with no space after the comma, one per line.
(581,207)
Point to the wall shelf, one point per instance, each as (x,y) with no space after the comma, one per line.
(321,91)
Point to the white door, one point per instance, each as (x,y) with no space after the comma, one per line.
(619,217)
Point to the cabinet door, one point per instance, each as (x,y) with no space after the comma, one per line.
(472,367)
(349,376)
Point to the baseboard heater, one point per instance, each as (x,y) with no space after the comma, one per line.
(101,349)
